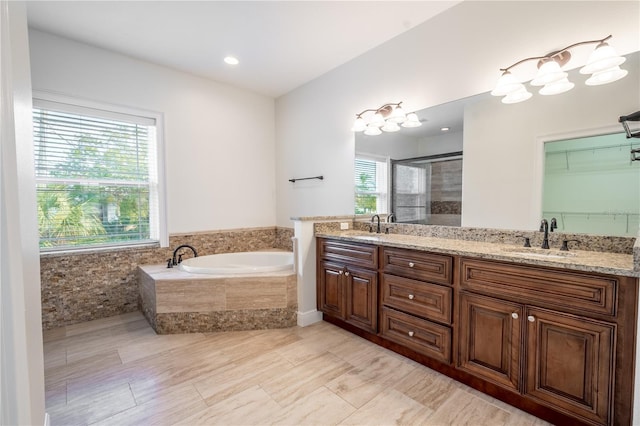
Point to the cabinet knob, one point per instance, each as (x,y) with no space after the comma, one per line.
(411,264)
(341,272)
(411,296)
(410,333)
(531,318)
(514,315)
(346,274)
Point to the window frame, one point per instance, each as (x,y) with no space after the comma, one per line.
(385,194)
(85,106)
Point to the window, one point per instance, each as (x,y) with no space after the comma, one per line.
(371,185)
(97,176)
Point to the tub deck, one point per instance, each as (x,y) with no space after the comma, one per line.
(174,301)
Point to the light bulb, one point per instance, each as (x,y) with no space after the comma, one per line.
(506,84)
(602,58)
(548,72)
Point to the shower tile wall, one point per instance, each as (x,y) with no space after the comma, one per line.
(81,287)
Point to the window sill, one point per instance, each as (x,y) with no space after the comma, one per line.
(100,249)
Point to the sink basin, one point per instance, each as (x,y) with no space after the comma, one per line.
(540,253)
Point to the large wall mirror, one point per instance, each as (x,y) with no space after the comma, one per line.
(492,124)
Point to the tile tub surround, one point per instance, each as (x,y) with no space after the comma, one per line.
(174,301)
(87,285)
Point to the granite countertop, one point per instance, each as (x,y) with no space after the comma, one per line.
(579,260)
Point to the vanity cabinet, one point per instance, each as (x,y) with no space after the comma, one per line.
(348,283)
(556,342)
(532,344)
(417,301)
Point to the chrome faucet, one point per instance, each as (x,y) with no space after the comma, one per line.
(546,227)
(175,252)
(371,226)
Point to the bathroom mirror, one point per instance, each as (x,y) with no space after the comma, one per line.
(592,185)
(504,149)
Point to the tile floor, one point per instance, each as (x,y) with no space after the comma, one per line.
(117,371)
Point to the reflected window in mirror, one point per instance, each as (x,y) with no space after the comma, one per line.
(428,190)
(371,184)
(592,186)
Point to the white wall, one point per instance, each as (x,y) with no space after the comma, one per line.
(454,55)
(21,357)
(220,146)
(393,145)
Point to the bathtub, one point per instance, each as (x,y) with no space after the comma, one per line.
(253,262)
(222,292)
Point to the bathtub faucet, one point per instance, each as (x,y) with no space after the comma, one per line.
(175,252)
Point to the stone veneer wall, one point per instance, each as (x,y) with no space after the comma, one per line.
(83,286)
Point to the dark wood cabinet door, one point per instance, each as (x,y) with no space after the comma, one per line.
(331,289)
(570,363)
(490,339)
(361,288)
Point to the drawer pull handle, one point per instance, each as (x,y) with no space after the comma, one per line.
(410,333)
(514,315)
(411,296)
(411,264)
(531,318)
(346,274)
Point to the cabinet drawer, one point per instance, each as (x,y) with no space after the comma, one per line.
(430,301)
(352,253)
(571,291)
(418,265)
(422,336)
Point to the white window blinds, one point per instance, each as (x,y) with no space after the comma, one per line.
(370,186)
(96,175)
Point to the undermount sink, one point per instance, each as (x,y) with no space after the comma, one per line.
(539,252)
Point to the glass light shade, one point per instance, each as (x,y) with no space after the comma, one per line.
(603,58)
(359,125)
(377,120)
(557,87)
(390,126)
(372,130)
(549,72)
(506,84)
(412,120)
(397,116)
(518,96)
(606,76)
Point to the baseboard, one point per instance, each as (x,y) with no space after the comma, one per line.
(309,317)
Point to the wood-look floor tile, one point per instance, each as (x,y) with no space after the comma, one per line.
(321,407)
(92,407)
(427,387)
(82,367)
(91,326)
(463,408)
(392,408)
(54,334)
(307,348)
(238,377)
(156,343)
(305,378)
(250,407)
(167,409)
(364,382)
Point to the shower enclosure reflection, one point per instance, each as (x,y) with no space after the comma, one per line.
(428,190)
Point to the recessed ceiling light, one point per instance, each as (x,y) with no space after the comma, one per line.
(231,60)
(444,129)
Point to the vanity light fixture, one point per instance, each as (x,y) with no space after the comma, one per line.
(603,65)
(231,60)
(388,118)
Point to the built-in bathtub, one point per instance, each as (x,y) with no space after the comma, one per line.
(234,291)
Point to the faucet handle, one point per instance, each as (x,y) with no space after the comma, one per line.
(169,263)
(527,241)
(565,244)
(553,225)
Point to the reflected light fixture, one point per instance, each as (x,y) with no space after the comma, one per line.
(231,60)
(603,65)
(388,118)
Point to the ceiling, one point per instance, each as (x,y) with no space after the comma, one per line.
(281,45)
